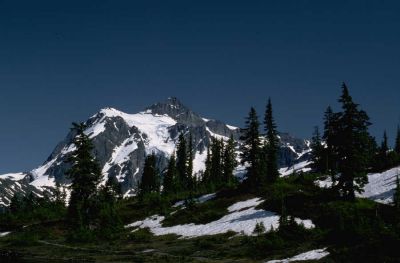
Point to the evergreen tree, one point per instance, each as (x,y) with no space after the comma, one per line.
(16,203)
(59,195)
(85,175)
(383,162)
(207,171)
(330,138)
(251,149)
(114,187)
(216,162)
(181,161)
(272,145)
(229,162)
(108,219)
(170,177)
(396,195)
(150,180)
(397,143)
(318,152)
(353,146)
(189,166)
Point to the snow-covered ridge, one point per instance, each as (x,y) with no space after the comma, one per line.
(13,176)
(242,218)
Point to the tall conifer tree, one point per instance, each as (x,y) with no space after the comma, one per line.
(397,143)
(353,146)
(189,166)
(272,145)
(331,126)
(318,152)
(216,162)
(207,171)
(229,162)
(85,175)
(181,162)
(150,178)
(251,149)
(170,177)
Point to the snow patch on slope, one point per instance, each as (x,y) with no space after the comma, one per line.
(310,255)
(242,218)
(299,167)
(381,186)
(3,234)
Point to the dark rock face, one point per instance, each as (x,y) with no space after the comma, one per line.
(121,145)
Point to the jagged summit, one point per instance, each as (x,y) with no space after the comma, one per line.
(174,108)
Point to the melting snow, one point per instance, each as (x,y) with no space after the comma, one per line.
(301,166)
(310,255)
(242,218)
(380,187)
(201,199)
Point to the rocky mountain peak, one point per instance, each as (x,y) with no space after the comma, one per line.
(174,108)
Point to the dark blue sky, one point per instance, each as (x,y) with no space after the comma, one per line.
(61,61)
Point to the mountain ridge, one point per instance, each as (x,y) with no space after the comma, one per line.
(122,141)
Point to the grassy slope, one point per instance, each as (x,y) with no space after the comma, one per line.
(47,241)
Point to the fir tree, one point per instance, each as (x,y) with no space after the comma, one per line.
(318,152)
(114,187)
(216,162)
(396,195)
(251,149)
(383,160)
(181,161)
(272,145)
(229,162)
(353,146)
(150,180)
(384,145)
(59,195)
(108,219)
(259,229)
(397,143)
(189,166)
(85,175)
(207,171)
(330,138)
(170,177)
(16,203)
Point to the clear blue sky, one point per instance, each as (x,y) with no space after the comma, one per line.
(61,61)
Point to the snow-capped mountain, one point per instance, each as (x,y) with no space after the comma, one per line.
(123,140)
